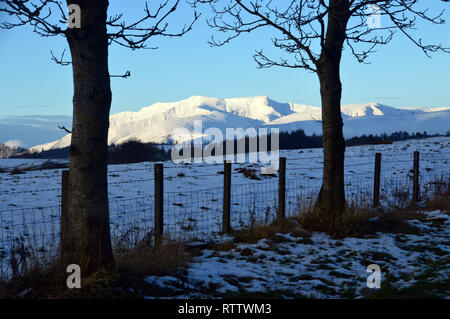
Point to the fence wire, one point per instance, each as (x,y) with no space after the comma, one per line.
(193,214)
(197,213)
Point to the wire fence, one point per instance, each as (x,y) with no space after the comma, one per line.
(198,214)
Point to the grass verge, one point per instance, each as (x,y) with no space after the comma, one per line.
(127,280)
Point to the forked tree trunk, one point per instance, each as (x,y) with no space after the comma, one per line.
(331,201)
(85,232)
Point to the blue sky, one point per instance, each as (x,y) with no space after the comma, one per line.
(399,74)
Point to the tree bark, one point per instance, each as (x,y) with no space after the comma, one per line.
(85,231)
(331,201)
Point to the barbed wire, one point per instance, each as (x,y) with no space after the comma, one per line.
(31,191)
(423,155)
(189,174)
(197,213)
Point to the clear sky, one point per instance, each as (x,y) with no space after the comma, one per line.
(399,74)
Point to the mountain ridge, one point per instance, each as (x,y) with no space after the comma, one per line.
(155,123)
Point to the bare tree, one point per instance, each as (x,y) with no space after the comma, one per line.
(85,232)
(313,34)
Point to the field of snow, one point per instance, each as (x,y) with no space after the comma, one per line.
(292,266)
(29,203)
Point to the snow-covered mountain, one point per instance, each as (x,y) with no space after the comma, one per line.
(157,122)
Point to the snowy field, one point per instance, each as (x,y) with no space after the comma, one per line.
(290,266)
(29,203)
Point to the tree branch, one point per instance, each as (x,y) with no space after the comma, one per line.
(303,30)
(135,35)
(65,129)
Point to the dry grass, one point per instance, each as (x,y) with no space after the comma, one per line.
(134,265)
(50,283)
(48,279)
(225,246)
(17,171)
(163,260)
(360,222)
(363,222)
(438,202)
(254,234)
(355,222)
(248,172)
(347,225)
(34,277)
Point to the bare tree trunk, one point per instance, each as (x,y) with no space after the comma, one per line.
(332,196)
(85,232)
(331,201)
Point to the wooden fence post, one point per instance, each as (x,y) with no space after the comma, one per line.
(282,190)
(159,203)
(416,177)
(226,197)
(376,180)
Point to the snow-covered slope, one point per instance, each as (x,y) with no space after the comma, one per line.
(157,122)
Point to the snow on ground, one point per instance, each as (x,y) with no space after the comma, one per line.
(128,181)
(320,267)
(29,203)
(8,163)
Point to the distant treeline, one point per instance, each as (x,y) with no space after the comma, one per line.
(128,152)
(298,139)
(135,151)
(396,136)
(287,140)
(8,151)
(57,153)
